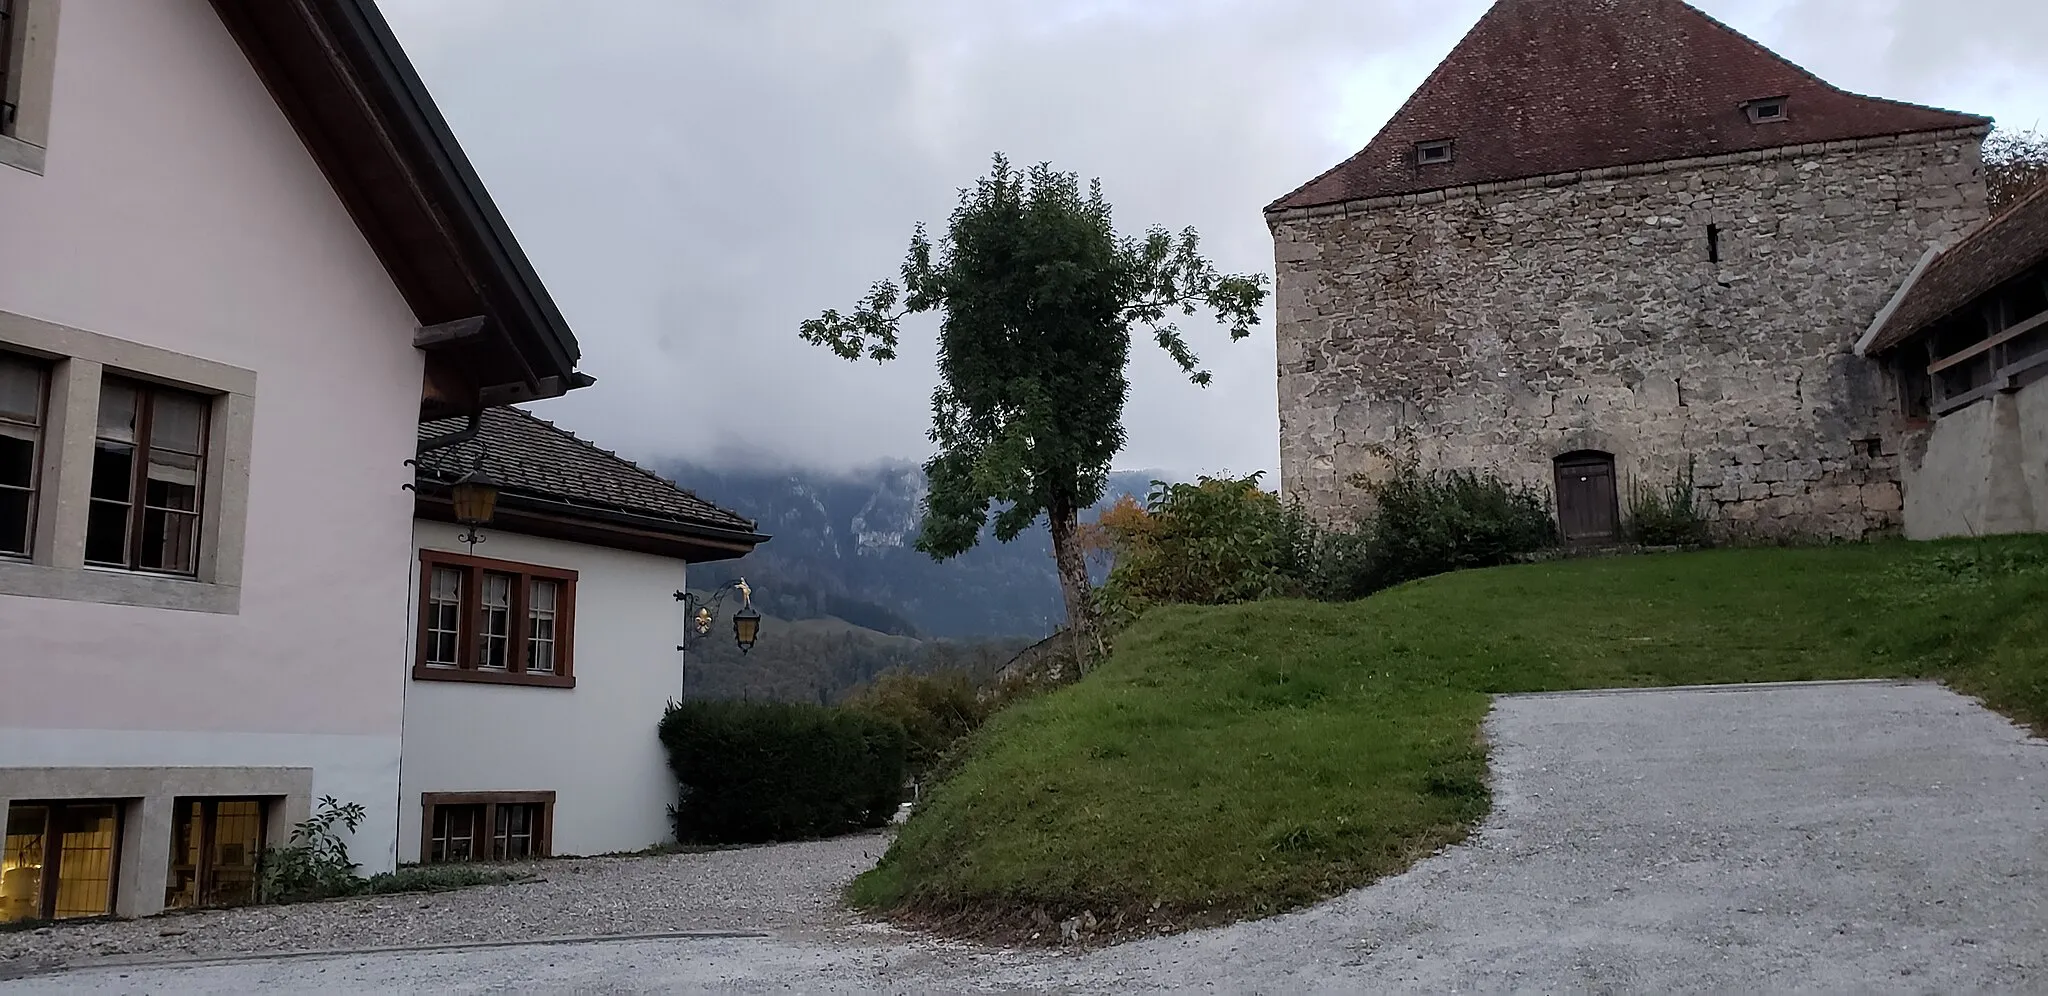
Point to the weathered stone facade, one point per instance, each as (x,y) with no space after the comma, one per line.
(1498,327)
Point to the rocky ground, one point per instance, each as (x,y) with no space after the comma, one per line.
(749,889)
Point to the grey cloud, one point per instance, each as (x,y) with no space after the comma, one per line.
(695,177)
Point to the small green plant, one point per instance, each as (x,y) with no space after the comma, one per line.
(315,863)
(1670,515)
(433,878)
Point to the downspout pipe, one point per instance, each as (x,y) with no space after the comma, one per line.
(458,437)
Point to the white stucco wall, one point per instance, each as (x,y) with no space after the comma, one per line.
(593,745)
(1983,470)
(179,209)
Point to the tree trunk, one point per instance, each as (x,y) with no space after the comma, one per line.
(1072,564)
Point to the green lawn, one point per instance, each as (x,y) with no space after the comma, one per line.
(1248,759)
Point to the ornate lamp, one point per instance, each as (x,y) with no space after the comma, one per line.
(475,497)
(746,623)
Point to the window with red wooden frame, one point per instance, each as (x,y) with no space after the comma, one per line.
(486,826)
(494,621)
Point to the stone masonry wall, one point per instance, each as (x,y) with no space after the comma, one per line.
(1500,327)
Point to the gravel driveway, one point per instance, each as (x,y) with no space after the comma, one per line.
(1867,837)
(794,886)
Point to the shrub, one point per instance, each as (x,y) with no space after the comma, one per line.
(1435,523)
(1217,541)
(753,772)
(314,864)
(1667,516)
(1324,563)
(935,709)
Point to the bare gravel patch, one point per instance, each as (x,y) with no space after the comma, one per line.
(782,887)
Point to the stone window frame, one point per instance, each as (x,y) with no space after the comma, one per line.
(80,362)
(148,796)
(1448,146)
(31,61)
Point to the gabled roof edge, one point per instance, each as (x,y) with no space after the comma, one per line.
(1891,307)
(389,65)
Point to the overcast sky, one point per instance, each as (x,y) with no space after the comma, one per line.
(693,178)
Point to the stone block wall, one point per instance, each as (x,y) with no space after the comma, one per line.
(1501,326)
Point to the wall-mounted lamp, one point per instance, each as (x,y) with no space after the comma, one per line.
(475,497)
(746,623)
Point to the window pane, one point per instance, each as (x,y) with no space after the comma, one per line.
(444,614)
(182,891)
(15,506)
(21,389)
(237,840)
(495,630)
(540,626)
(455,832)
(113,471)
(21,863)
(85,864)
(177,421)
(17,455)
(170,542)
(106,533)
(173,481)
(118,403)
(513,836)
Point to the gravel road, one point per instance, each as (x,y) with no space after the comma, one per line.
(794,886)
(1854,837)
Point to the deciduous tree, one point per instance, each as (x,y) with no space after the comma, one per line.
(2015,162)
(1038,296)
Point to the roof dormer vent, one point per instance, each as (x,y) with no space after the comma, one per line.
(1765,110)
(1431,153)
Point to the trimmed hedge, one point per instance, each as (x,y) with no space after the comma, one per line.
(753,772)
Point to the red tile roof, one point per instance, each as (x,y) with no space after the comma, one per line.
(1540,87)
(2000,249)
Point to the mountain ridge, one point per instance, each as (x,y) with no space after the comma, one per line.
(842,545)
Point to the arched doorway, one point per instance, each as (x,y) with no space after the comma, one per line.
(1588,509)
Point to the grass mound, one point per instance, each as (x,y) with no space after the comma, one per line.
(1249,759)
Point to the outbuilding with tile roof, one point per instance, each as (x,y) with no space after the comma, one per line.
(1609,245)
(543,655)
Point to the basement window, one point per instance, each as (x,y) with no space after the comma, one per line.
(1428,153)
(1765,110)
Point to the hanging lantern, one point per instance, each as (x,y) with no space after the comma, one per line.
(475,498)
(746,626)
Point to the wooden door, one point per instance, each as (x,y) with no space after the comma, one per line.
(1588,509)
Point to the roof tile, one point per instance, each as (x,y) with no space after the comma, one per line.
(1541,87)
(2005,247)
(531,456)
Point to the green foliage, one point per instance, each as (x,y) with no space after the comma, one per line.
(1213,542)
(1668,516)
(1434,523)
(434,878)
(314,864)
(935,710)
(1225,540)
(1040,295)
(764,771)
(1246,759)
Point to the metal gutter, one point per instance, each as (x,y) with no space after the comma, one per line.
(508,268)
